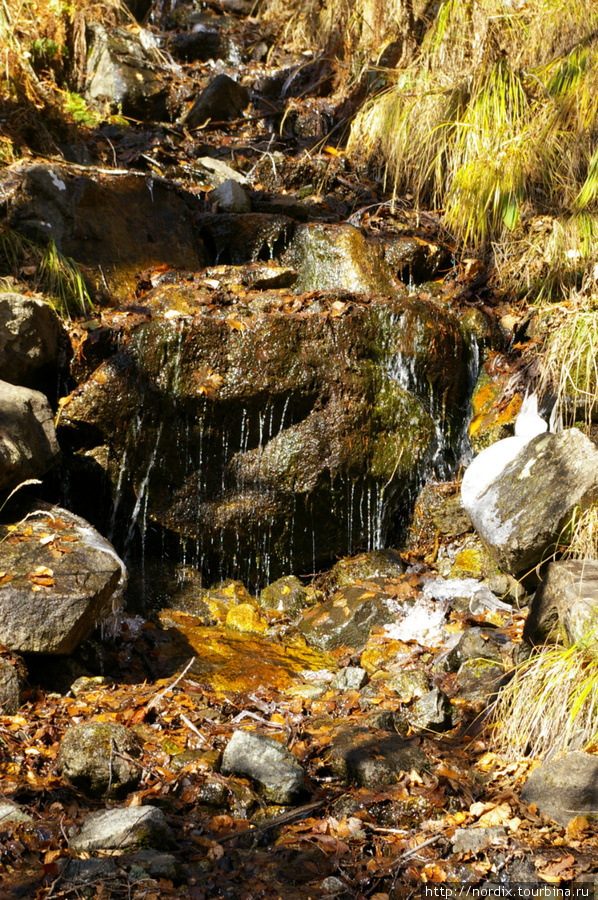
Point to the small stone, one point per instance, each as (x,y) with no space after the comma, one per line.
(247,618)
(333,885)
(286,595)
(474,840)
(433,711)
(308,691)
(276,771)
(230,197)
(371,759)
(564,788)
(350,679)
(97,758)
(156,864)
(409,685)
(115,829)
(10,812)
(10,688)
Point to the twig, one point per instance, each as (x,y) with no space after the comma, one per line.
(158,698)
(193,728)
(415,850)
(283,819)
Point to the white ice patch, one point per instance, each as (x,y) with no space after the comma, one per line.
(467,588)
(57,181)
(423,623)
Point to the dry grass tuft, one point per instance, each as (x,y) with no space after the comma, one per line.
(551,703)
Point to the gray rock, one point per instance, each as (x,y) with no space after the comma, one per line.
(475,643)
(333,885)
(218,171)
(431,712)
(566,600)
(276,771)
(31,336)
(66,579)
(115,829)
(98,757)
(10,688)
(229,197)
(522,512)
(222,99)
(10,812)
(371,759)
(28,445)
(205,44)
(86,871)
(479,680)
(157,864)
(373,564)
(565,788)
(286,594)
(474,840)
(411,684)
(352,678)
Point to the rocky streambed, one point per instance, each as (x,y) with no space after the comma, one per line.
(250,637)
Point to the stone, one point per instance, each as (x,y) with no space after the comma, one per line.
(352,678)
(98,757)
(347,618)
(474,643)
(218,171)
(409,685)
(371,758)
(31,340)
(373,564)
(338,256)
(222,99)
(523,511)
(564,788)
(112,226)
(10,688)
(86,871)
(287,595)
(479,681)
(11,812)
(240,238)
(28,445)
(117,829)
(437,510)
(474,840)
(65,579)
(432,712)
(229,197)
(414,260)
(277,773)
(123,72)
(566,600)
(156,864)
(204,44)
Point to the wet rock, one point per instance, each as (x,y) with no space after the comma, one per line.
(522,512)
(10,687)
(155,864)
(204,44)
(218,171)
(65,578)
(116,829)
(352,678)
(113,226)
(371,759)
(432,712)
(98,757)
(374,564)
(229,197)
(286,595)
(348,617)
(338,256)
(28,445)
(438,510)
(222,99)
(245,617)
(296,435)
(411,684)
(122,71)
(474,840)
(31,340)
(242,237)
(261,276)
(86,871)
(276,771)
(566,599)
(197,760)
(564,788)
(414,260)
(492,420)
(11,812)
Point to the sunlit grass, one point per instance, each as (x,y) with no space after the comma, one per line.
(551,703)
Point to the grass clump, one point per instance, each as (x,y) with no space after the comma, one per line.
(551,703)
(495,123)
(46,270)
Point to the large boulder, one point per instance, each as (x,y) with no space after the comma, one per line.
(59,579)
(28,445)
(113,226)
(523,511)
(31,339)
(297,437)
(565,601)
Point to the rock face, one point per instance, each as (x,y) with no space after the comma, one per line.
(279,776)
(295,437)
(565,788)
(520,515)
(31,338)
(566,600)
(60,579)
(98,758)
(28,445)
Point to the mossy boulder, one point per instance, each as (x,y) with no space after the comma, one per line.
(99,758)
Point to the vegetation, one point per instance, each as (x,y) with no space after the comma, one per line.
(560,713)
